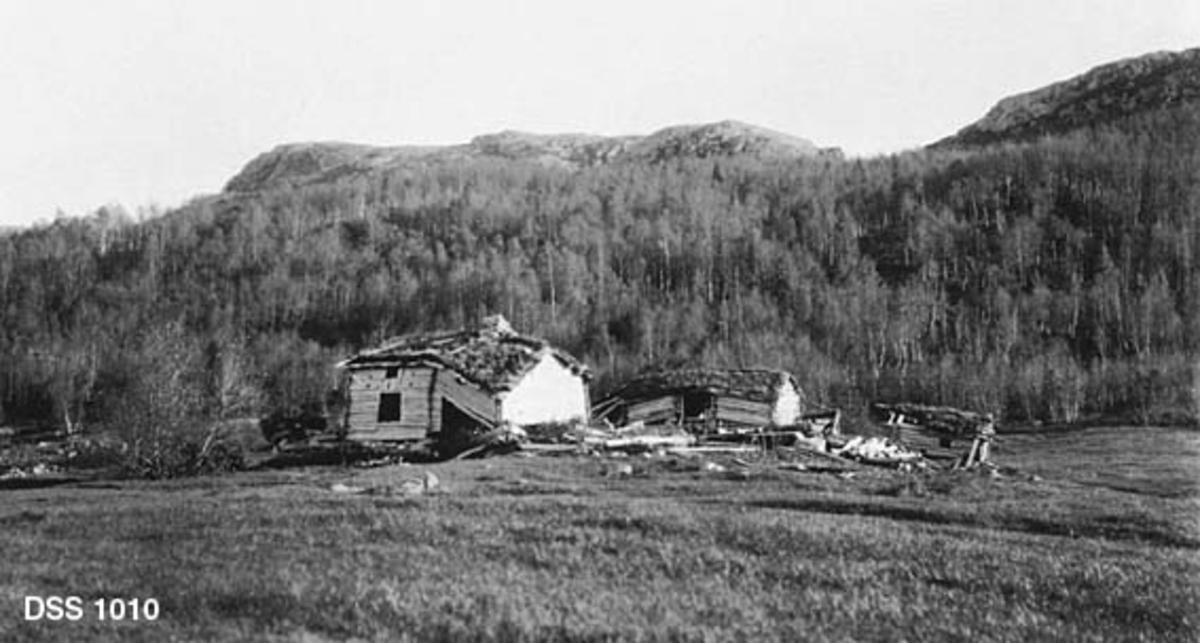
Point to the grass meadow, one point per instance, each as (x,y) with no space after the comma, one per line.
(1084,536)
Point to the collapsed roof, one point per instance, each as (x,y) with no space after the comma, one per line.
(760,385)
(494,356)
(943,420)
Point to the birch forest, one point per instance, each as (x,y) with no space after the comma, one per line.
(1050,281)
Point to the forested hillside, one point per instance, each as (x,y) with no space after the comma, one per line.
(1051,280)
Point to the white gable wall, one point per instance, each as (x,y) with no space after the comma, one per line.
(787,407)
(549,392)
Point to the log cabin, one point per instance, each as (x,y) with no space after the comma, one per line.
(430,385)
(706,400)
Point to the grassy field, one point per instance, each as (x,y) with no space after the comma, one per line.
(1085,535)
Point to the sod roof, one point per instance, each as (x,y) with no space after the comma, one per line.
(493,356)
(760,385)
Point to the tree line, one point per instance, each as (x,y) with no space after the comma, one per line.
(1048,281)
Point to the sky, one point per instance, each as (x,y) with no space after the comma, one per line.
(149,103)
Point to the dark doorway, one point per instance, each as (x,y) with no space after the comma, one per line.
(696,406)
(455,420)
(459,430)
(389,407)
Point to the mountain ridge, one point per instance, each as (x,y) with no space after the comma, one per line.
(1104,94)
(305,163)
(1100,95)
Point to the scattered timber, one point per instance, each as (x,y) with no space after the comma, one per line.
(643,442)
(914,424)
(943,420)
(824,423)
(879,451)
(711,449)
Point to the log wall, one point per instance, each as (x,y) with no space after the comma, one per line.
(930,443)
(732,410)
(418,414)
(657,410)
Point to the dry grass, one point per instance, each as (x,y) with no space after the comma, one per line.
(575,549)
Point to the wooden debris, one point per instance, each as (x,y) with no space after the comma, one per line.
(878,451)
(946,423)
(634,437)
(978,455)
(822,423)
(644,442)
(549,449)
(944,420)
(713,448)
(504,438)
(826,455)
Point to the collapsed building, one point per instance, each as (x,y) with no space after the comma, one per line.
(426,386)
(939,431)
(706,401)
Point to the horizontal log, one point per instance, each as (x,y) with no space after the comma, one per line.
(739,417)
(930,444)
(405,409)
(941,419)
(649,406)
(389,386)
(650,441)
(370,423)
(652,418)
(698,450)
(748,406)
(387,434)
(373,421)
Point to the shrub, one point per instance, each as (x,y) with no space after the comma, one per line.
(162,420)
(293,425)
(95,453)
(180,454)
